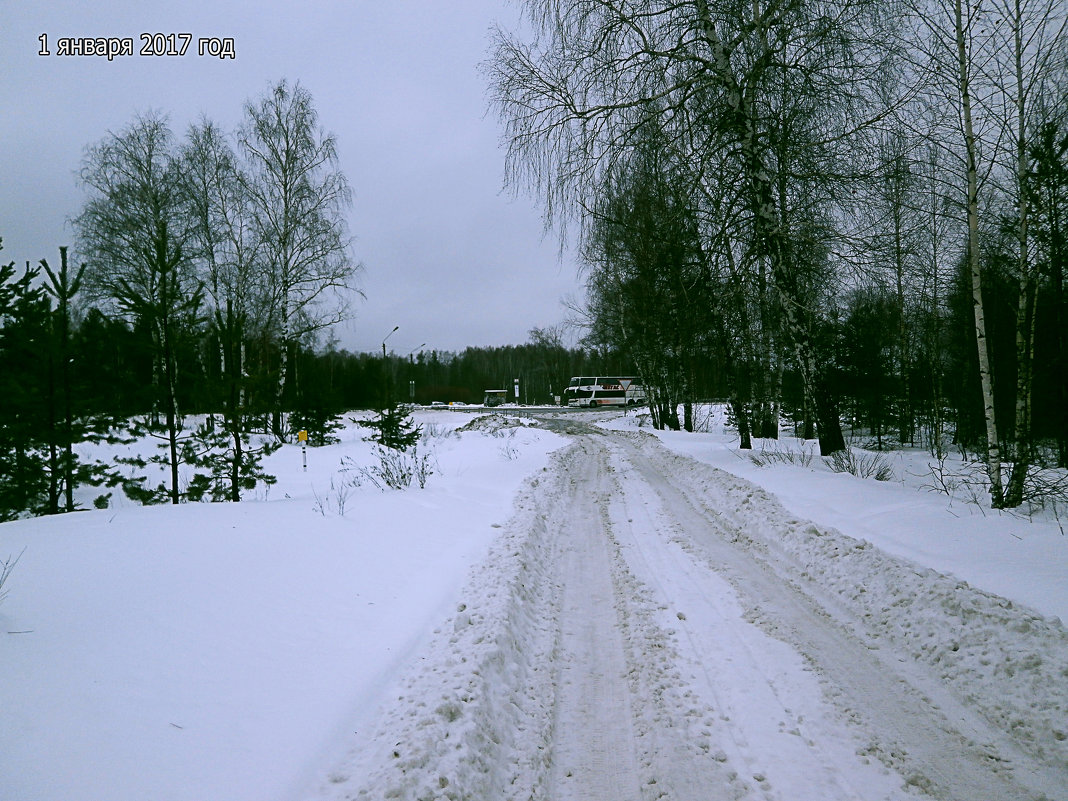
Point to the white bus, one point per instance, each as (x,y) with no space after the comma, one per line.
(594,391)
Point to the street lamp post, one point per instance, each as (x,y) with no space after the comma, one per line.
(385,373)
(391,333)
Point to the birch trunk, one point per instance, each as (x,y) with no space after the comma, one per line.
(986,378)
(769,232)
(278,422)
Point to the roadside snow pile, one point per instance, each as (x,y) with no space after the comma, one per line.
(495,424)
(473,720)
(1005,660)
(1022,557)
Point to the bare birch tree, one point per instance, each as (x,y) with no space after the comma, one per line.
(135,237)
(646,291)
(747,83)
(989,63)
(227,253)
(298,197)
(1031,56)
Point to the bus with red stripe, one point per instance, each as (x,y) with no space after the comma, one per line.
(597,391)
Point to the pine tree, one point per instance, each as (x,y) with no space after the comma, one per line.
(26,483)
(393,427)
(63,287)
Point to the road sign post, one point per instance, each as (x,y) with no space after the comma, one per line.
(625,383)
(302,437)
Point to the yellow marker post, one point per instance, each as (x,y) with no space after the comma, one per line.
(302,437)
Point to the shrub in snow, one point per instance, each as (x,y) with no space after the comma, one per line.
(337,500)
(948,477)
(704,418)
(870,465)
(396,469)
(1046,488)
(508,450)
(5,573)
(433,431)
(777,455)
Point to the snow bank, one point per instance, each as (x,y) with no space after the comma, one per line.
(1005,660)
(473,718)
(1019,557)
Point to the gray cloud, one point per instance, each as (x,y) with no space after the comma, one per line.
(449,258)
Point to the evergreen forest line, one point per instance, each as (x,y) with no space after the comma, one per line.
(847,216)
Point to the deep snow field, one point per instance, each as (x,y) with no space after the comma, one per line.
(321,641)
(221,651)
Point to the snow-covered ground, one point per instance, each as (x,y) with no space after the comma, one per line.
(560,614)
(1024,558)
(222,651)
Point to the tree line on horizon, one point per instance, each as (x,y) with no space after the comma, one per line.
(849,214)
(75,373)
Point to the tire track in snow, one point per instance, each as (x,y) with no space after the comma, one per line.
(765,716)
(551,682)
(626,727)
(941,748)
(593,750)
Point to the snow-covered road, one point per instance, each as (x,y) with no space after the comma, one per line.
(647,627)
(595,744)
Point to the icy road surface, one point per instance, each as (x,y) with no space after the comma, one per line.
(647,627)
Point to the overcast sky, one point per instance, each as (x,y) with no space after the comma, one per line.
(448,256)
